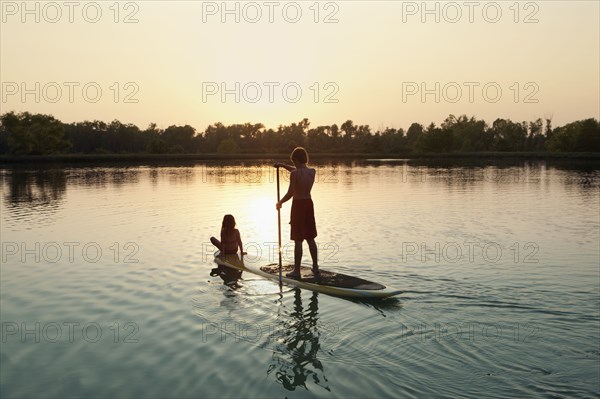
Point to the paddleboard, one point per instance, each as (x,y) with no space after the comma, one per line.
(327,282)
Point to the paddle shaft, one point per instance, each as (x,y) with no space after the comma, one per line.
(279,232)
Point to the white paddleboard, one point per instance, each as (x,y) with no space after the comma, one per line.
(327,282)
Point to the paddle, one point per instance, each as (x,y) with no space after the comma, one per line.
(279,232)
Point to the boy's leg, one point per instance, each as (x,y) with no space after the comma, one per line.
(297,255)
(312,246)
(297,259)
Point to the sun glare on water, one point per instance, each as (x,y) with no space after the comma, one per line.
(261,216)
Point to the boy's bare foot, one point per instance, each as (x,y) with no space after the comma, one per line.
(316,271)
(293,274)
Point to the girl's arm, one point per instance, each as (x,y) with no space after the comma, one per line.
(239,240)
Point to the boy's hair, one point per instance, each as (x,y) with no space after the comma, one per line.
(299,155)
(228,222)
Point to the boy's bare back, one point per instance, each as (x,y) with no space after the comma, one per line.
(301,181)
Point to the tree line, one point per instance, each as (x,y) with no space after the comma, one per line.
(38,134)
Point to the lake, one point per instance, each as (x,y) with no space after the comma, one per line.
(106,289)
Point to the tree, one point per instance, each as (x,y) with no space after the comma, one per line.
(468,133)
(87,136)
(581,135)
(318,138)
(536,141)
(26,133)
(123,137)
(33,134)
(435,139)
(508,135)
(181,136)
(335,138)
(294,135)
(415,131)
(228,146)
(157,146)
(393,141)
(588,138)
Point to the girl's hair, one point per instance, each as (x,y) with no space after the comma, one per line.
(228,222)
(299,155)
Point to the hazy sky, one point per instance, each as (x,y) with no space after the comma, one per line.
(386,63)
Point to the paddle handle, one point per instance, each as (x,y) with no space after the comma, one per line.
(279,232)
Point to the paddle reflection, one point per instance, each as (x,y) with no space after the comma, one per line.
(295,361)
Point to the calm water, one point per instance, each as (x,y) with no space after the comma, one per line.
(105,286)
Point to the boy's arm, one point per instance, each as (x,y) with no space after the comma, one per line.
(290,192)
(289,168)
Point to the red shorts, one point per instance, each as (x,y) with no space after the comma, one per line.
(302,219)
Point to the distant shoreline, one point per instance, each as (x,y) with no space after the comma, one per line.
(138,158)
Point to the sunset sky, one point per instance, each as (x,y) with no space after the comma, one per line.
(361,60)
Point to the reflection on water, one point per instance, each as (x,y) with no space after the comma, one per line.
(294,340)
(36,188)
(587,174)
(515,325)
(33,196)
(295,356)
(229,276)
(39,187)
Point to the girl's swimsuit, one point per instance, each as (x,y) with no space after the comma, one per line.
(230,244)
